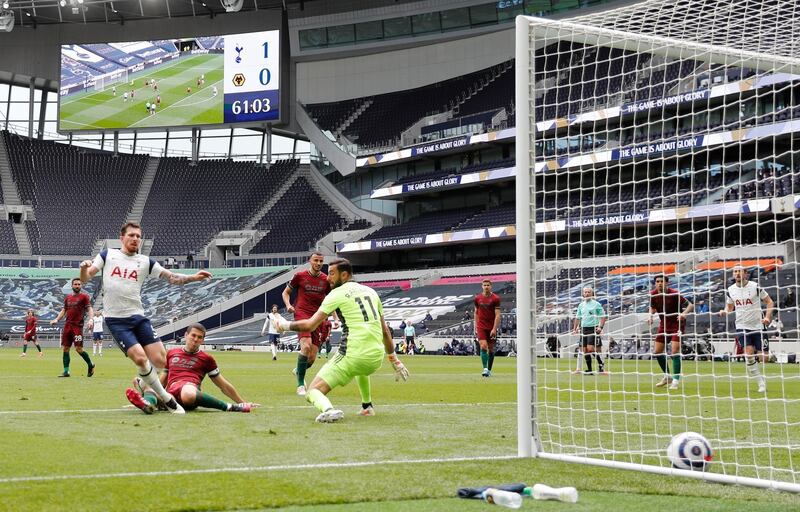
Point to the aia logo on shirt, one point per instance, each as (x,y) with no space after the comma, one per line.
(133,275)
(746,302)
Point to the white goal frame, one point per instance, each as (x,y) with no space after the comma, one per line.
(101,82)
(529,29)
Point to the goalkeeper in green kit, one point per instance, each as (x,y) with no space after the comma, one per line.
(365,339)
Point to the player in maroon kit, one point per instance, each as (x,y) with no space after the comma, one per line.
(667,303)
(30,333)
(76,307)
(186,368)
(312,286)
(487,320)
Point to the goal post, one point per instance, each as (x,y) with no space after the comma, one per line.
(643,151)
(102,82)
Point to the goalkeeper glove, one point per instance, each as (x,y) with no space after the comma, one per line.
(400,370)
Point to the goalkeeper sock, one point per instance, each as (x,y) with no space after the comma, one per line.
(85,356)
(302,365)
(588,359)
(662,362)
(485,359)
(150,398)
(364,388)
(24,348)
(491,361)
(65,360)
(318,400)
(676,367)
(206,400)
(150,377)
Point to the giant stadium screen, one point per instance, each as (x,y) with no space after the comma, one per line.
(198,81)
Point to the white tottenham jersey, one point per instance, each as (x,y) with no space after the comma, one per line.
(747,303)
(271,324)
(123,277)
(98,324)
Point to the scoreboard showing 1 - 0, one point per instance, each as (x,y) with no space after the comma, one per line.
(198,81)
(252,77)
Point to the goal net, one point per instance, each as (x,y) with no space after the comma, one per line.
(661,139)
(103,82)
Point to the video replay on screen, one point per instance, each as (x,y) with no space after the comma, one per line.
(169,83)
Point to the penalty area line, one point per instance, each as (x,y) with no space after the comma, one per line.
(284,467)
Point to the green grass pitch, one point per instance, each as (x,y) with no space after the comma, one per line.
(92,110)
(69,444)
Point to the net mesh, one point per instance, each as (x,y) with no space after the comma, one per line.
(664,140)
(103,82)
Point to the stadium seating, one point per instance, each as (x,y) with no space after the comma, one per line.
(390,114)
(500,216)
(628,293)
(496,164)
(329,116)
(162,301)
(433,222)
(296,221)
(78,195)
(8,243)
(190,203)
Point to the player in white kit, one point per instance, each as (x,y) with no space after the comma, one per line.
(97,333)
(270,329)
(124,272)
(744,297)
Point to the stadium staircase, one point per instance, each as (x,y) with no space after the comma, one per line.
(250,224)
(352,117)
(137,210)
(12,198)
(343,161)
(23,242)
(481,85)
(9,187)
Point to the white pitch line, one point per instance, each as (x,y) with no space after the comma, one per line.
(286,467)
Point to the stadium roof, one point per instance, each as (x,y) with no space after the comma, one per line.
(770,27)
(32,12)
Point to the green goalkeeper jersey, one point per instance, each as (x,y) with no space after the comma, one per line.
(360,310)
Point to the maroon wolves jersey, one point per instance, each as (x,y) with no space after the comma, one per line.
(76,307)
(191,368)
(668,305)
(311,290)
(484,310)
(30,325)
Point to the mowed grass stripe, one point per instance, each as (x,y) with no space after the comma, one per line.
(104,110)
(429,417)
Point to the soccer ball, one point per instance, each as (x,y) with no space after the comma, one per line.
(690,451)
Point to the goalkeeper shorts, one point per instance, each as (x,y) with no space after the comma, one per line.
(340,370)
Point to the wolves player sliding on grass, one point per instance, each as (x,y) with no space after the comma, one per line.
(124,273)
(186,368)
(365,338)
(745,297)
